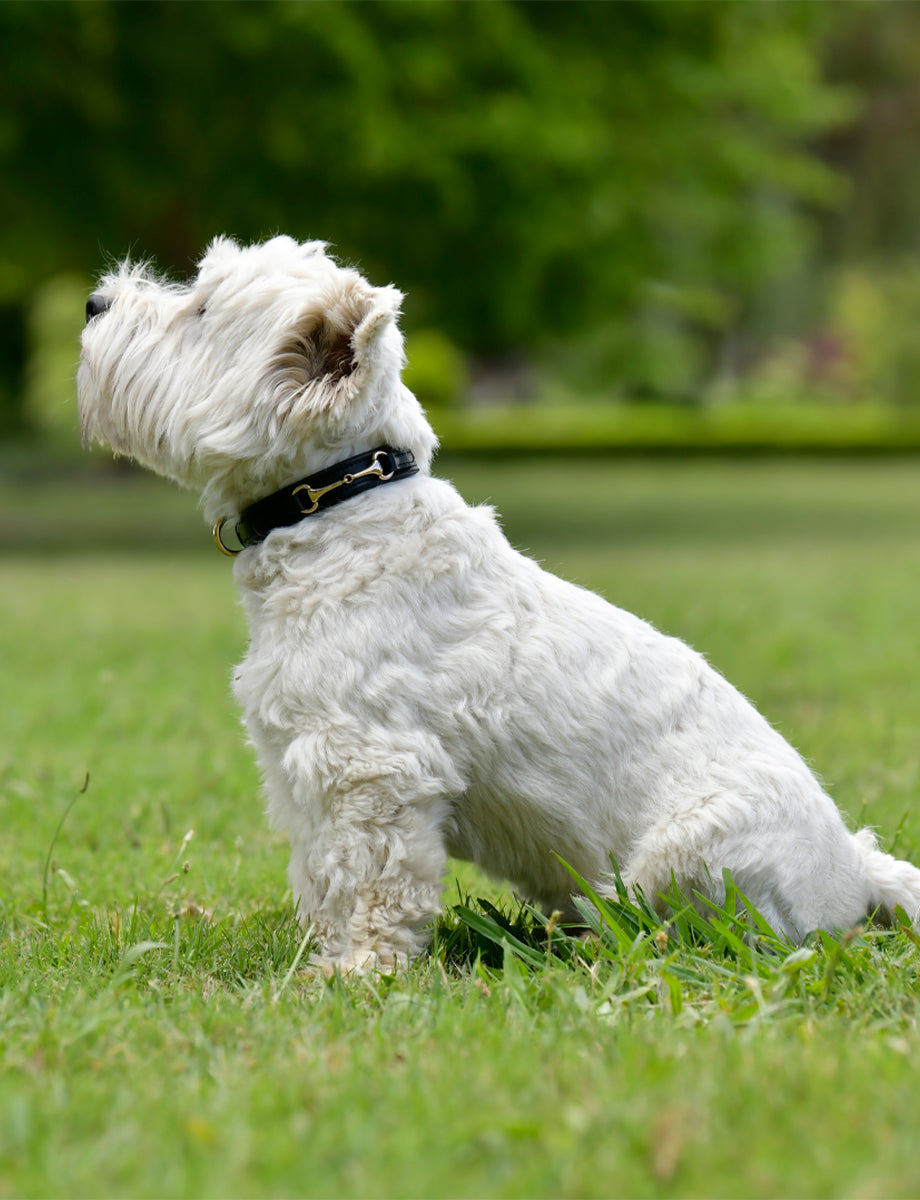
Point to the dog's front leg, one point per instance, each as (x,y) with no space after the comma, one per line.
(368,877)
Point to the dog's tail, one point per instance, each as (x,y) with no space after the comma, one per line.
(894,883)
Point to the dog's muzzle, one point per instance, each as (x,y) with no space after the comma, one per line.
(96,305)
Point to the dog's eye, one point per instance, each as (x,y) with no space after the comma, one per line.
(202,310)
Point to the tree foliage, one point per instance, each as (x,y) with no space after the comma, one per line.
(523,170)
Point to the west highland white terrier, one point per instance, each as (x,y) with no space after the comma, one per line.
(414,687)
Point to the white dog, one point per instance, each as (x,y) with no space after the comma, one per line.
(414,687)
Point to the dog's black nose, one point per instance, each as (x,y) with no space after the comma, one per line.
(96,306)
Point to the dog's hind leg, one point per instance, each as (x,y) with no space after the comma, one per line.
(691,849)
(800,874)
(673,853)
(893,883)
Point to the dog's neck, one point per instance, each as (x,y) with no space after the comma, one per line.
(235,485)
(315,493)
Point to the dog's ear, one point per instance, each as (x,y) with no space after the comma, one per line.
(382,309)
(333,349)
(343,339)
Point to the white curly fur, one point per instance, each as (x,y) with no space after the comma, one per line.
(416,688)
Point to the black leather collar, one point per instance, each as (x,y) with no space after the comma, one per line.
(317,492)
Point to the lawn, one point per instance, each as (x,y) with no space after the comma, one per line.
(159,1035)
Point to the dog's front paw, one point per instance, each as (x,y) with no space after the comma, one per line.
(357,962)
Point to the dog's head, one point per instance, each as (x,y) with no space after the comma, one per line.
(271,363)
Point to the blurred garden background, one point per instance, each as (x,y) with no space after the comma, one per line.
(648,222)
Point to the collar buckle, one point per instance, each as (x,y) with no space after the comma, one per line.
(314,495)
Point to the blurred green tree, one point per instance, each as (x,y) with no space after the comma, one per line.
(523,170)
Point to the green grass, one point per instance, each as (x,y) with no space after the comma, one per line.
(154,1038)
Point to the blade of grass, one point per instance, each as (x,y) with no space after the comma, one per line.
(493,932)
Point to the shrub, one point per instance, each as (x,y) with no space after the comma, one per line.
(436,370)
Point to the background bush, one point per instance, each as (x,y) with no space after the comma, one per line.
(630,202)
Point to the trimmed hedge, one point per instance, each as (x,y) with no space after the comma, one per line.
(664,429)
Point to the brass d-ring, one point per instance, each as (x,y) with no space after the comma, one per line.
(218,540)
